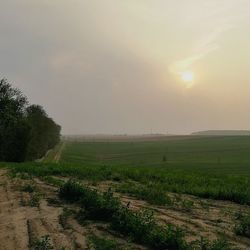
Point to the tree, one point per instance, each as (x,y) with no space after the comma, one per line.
(45,133)
(26,132)
(14,129)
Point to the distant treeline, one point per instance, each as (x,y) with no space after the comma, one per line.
(26,131)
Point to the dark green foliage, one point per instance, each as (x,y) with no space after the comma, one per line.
(28,188)
(220,244)
(34,201)
(205,183)
(100,243)
(25,132)
(43,244)
(243,225)
(14,129)
(140,226)
(99,207)
(45,133)
(154,194)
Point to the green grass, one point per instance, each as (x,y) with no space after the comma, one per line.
(206,184)
(226,154)
(150,193)
(208,167)
(101,243)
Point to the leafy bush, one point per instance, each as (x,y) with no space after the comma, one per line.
(140,226)
(43,244)
(71,191)
(220,244)
(100,243)
(243,225)
(28,188)
(97,206)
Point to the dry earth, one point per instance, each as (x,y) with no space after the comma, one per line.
(24,219)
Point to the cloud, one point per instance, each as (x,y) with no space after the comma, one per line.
(219,19)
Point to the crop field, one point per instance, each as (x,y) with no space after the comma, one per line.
(225,153)
(177,193)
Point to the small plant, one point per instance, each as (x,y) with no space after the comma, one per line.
(100,243)
(219,244)
(28,188)
(140,226)
(54,202)
(34,201)
(243,225)
(187,205)
(43,244)
(205,205)
(53,181)
(64,217)
(151,193)
(71,191)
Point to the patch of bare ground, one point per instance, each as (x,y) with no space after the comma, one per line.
(23,223)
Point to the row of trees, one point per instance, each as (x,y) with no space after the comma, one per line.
(26,132)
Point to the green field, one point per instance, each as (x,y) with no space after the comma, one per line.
(198,177)
(208,167)
(229,154)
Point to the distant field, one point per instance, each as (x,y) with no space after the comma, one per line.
(229,154)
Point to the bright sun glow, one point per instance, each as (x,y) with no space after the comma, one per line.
(187,76)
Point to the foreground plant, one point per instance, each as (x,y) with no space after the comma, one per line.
(243,225)
(140,226)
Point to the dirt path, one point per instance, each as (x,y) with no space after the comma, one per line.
(59,153)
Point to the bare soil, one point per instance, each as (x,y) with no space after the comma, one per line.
(23,223)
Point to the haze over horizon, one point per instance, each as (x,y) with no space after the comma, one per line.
(134,67)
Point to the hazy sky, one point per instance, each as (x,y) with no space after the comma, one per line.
(131,66)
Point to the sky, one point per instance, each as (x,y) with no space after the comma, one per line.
(131,67)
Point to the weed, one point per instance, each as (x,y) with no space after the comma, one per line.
(140,226)
(33,201)
(53,181)
(100,243)
(219,244)
(187,205)
(54,202)
(43,244)
(28,188)
(243,225)
(64,217)
(151,193)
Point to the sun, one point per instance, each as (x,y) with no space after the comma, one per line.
(187,76)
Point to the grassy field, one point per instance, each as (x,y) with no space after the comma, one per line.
(192,175)
(228,154)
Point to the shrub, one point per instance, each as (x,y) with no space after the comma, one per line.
(43,244)
(100,243)
(243,225)
(140,226)
(28,188)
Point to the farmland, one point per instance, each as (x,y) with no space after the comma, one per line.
(195,189)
